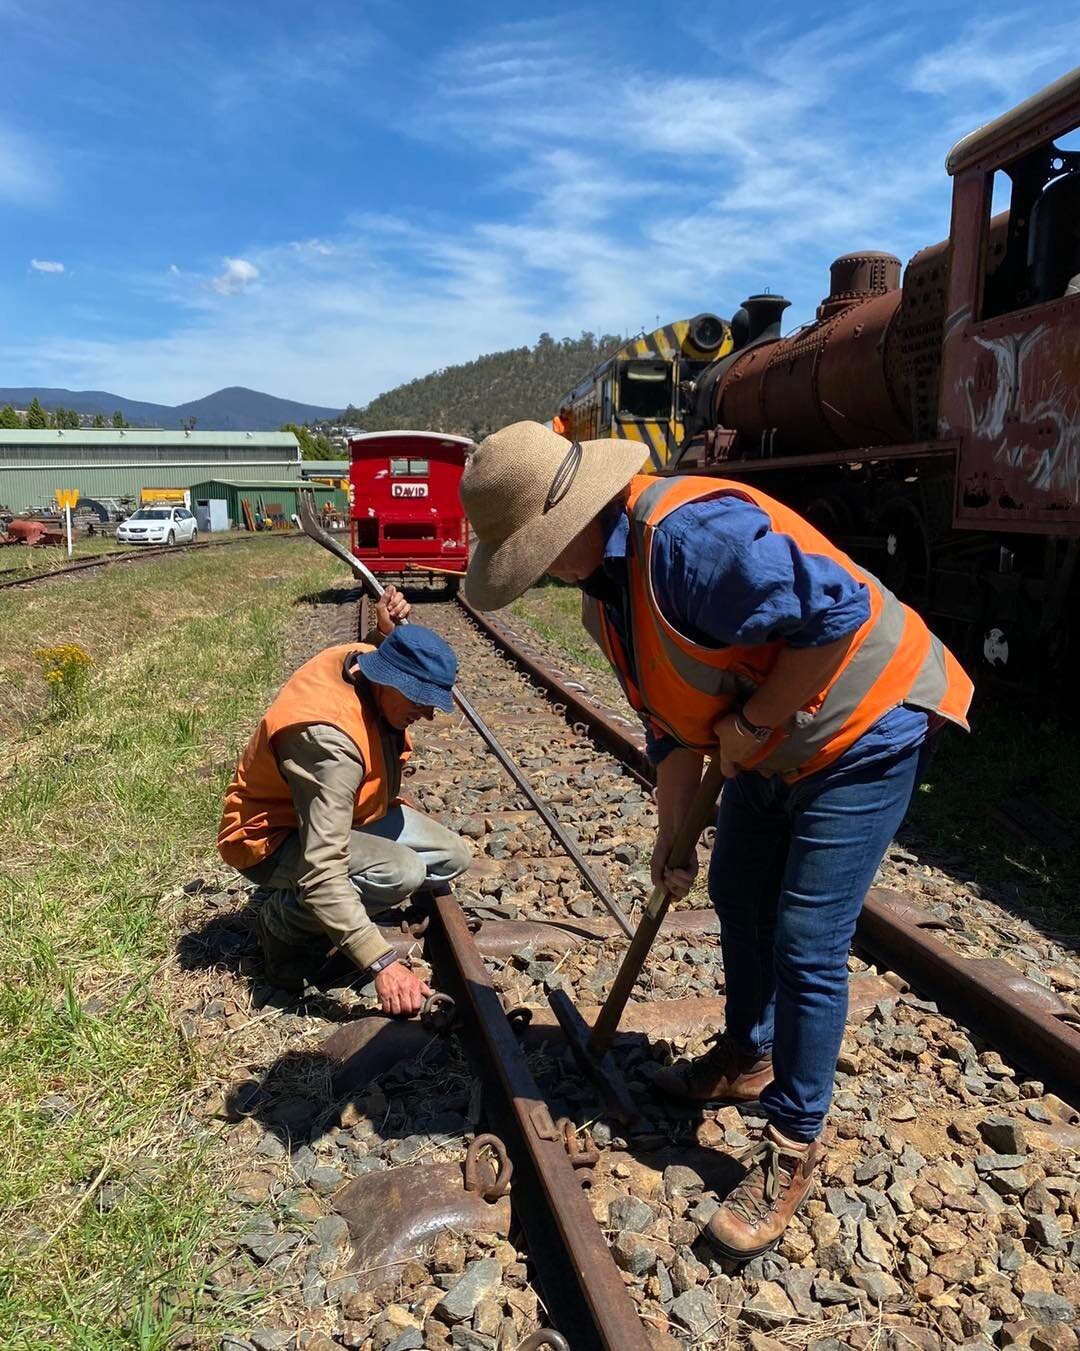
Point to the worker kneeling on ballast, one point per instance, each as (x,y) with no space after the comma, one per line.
(313,817)
(737,630)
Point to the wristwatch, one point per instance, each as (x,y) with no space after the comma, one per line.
(751,729)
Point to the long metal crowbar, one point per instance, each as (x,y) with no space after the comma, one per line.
(312,528)
(591,1046)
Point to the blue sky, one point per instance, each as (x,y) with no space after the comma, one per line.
(323,200)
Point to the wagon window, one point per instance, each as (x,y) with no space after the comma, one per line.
(418,466)
(408,468)
(399,467)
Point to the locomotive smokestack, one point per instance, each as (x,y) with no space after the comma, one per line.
(763,315)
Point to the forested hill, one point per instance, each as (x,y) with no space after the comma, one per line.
(483,395)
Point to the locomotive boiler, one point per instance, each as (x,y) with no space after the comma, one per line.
(931,426)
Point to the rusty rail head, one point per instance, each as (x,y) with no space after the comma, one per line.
(1013,1011)
(583,1287)
(618,736)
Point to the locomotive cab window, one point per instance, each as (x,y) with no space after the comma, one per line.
(1034,258)
(409,468)
(645,389)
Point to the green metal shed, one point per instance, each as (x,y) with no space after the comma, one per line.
(264,493)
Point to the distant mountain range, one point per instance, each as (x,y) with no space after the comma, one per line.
(234,409)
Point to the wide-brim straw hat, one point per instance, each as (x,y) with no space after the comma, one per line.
(528,492)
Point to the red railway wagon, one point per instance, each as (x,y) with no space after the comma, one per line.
(405,513)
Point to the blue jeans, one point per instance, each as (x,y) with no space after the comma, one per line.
(790,868)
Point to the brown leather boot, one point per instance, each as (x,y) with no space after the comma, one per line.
(723,1074)
(754,1216)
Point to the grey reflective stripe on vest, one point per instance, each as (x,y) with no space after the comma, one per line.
(933,678)
(807,733)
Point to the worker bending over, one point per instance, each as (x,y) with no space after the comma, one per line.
(313,815)
(737,630)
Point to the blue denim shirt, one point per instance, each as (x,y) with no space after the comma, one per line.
(721,575)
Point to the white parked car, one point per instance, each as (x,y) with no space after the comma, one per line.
(158,525)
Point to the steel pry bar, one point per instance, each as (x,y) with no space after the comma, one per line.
(321,536)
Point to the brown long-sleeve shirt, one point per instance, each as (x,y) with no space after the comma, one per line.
(324,769)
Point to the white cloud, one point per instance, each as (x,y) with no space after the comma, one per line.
(1001,56)
(43,265)
(237,275)
(317,246)
(25,178)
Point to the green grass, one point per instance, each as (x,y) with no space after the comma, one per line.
(17,559)
(105,813)
(554,612)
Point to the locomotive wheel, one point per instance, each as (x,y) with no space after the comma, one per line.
(832,516)
(905,569)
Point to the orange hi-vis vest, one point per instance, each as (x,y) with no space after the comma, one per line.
(259,810)
(683,688)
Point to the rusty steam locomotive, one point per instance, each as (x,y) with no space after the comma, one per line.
(933,428)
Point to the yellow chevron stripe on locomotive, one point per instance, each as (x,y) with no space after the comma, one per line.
(638,393)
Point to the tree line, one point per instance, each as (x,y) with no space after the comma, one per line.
(478,397)
(38,418)
(313,445)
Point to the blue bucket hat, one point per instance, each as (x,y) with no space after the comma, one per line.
(415,661)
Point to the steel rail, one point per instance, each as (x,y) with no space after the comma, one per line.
(1030,1034)
(619,736)
(975,991)
(558,831)
(583,1289)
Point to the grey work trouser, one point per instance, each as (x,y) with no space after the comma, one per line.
(388,860)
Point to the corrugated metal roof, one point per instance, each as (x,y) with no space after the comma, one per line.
(72,437)
(324,469)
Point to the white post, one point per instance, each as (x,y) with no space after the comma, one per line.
(67,514)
